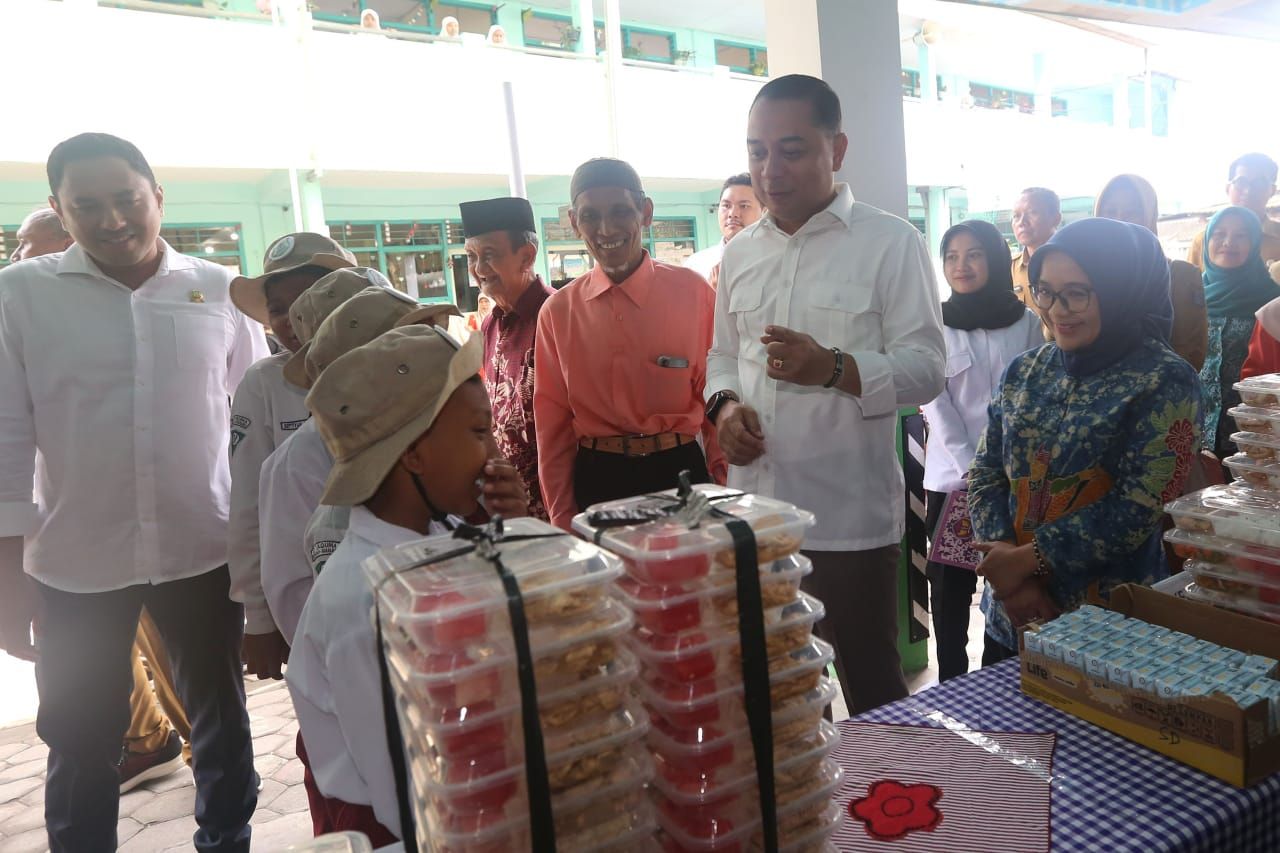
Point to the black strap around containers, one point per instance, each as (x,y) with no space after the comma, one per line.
(483,541)
(691,508)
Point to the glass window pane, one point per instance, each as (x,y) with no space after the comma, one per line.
(456,235)
(368,259)
(738,58)
(674,252)
(762,59)
(649,45)
(202,240)
(672,229)
(406,13)
(567,264)
(419,274)
(541,31)
(354,235)
(8,242)
(346,9)
(411,234)
(554,232)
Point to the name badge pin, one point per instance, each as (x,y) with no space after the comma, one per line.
(196,296)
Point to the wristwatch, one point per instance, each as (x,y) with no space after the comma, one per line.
(716,403)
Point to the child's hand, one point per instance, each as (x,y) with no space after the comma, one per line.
(504,492)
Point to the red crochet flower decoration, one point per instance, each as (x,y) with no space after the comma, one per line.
(891,809)
(1181,437)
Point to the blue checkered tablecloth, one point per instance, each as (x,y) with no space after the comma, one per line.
(1108,794)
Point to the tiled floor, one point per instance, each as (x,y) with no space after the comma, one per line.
(158,816)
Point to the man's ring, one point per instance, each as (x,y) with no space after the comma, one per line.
(777,364)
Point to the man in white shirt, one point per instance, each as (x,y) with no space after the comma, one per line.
(827,321)
(738,209)
(266,410)
(117,360)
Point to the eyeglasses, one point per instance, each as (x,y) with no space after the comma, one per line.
(1074,299)
(1243,183)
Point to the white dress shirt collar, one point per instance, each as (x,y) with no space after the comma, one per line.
(839,211)
(76,261)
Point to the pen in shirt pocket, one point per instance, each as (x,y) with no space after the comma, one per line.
(672,361)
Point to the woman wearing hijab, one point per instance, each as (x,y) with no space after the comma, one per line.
(1131,198)
(985,326)
(1236,285)
(1088,437)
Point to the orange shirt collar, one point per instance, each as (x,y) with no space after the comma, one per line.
(635,287)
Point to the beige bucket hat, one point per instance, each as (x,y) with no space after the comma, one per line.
(376,400)
(360,319)
(290,252)
(319,301)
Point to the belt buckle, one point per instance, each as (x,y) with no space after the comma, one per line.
(626,445)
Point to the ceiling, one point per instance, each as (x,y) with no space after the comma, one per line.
(1246,18)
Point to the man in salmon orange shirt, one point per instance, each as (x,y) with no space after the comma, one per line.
(621,359)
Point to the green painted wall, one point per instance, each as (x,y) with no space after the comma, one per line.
(264,212)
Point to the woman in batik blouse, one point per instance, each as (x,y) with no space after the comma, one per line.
(1088,437)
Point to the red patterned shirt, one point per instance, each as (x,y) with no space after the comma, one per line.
(508,376)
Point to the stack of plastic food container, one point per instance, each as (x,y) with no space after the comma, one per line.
(452,662)
(681,584)
(1230,535)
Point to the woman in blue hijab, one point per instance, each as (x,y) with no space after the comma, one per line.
(1089,436)
(1236,286)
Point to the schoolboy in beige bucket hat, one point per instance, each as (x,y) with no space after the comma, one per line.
(296,537)
(319,301)
(312,254)
(265,411)
(410,428)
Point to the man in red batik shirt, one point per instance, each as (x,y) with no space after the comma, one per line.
(502,245)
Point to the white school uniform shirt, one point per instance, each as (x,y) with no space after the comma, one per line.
(705,261)
(325,530)
(292,482)
(124,396)
(976,361)
(334,678)
(266,410)
(856,278)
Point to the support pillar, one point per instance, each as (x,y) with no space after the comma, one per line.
(1120,102)
(937,216)
(585,20)
(928,63)
(855,48)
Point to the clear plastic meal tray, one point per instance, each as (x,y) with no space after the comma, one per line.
(460,598)
(1230,512)
(778,527)
(1260,391)
(1258,445)
(1254,472)
(1256,419)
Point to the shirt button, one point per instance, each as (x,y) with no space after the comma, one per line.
(618,318)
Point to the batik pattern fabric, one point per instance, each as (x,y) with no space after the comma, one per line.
(509,338)
(1084,465)
(1228,348)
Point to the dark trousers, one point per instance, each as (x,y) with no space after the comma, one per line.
(860,592)
(950,597)
(994,651)
(600,476)
(84,680)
